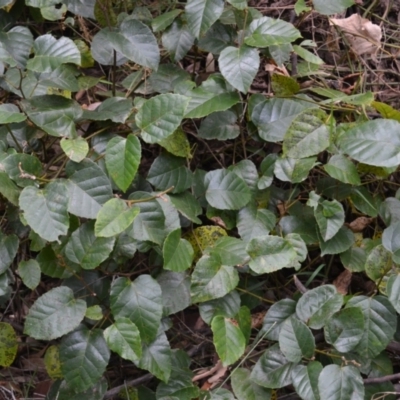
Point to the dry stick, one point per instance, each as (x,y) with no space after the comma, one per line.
(381,379)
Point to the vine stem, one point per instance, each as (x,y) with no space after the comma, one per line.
(157,196)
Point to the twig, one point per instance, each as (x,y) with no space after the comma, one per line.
(381,379)
(300,287)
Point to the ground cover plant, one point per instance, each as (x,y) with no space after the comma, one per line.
(199,200)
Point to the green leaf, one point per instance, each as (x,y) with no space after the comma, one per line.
(221,125)
(169,171)
(156,357)
(94,313)
(140,301)
(317,306)
(374,142)
(327,8)
(149,225)
(340,383)
(341,242)
(272,370)
(212,280)
(117,109)
(84,357)
(177,144)
(296,340)
(53,114)
(160,116)
(89,188)
(341,168)
(307,135)
(8,250)
(46,210)
(305,380)
(228,306)
(277,314)
(393,291)
(133,40)
(177,252)
(364,201)
(122,160)
(273,117)
(270,253)
(75,149)
(391,240)
(345,329)
(9,189)
(284,86)
(245,389)
(228,340)
(15,46)
(293,170)
(50,53)
(217,38)
(164,20)
(8,344)
(187,205)
(253,222)
(307,55)
(60,390)
(29,271)
(175,287)
(239,66)
(378,263)
(225,190)
(230,250)
(386,111)
(380,324)
(123,337)
(87,250)
(330,218)
(54,314)
(201,14)
(52,362)
(114,217)
(178,40)
(9,113)
(22,168)
(265,32)
(203,103)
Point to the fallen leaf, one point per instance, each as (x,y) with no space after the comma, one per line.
(363,36)
(342,282)
(359,224)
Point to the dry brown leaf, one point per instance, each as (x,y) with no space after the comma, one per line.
(363,36)
(257,319)
(359,224)
(342,282)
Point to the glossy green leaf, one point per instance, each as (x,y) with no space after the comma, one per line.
(317,306)
(9,113)
(217,38)
(122,160)
(296,340)
(374,142)
(178,40)
(50,53)
(265,32)
(393,291)
(94,313)
(114,217)
(140,301)
(46,210)
(9,189)
(245,389)
(341,168)
(15,46)
(225,190)
(327,8)
(378,263)
(8,250)
(391,240)
(239,66)
(307,55)
(293,170)
(177,144)
(187,205)
(203,103)
(29,271)
(87,250)
(270,253)
(230,250)
(23,169)
(160,116)
(386,110)
(133,40)
(364,201)
(220,125)
(380,324)
(201,14)
(53,114)
(8,344)
(175,287)
(84,357)
(169,171)
(238,4)
(62,391)
(330,218)
(228,306)
(75,149)
(164,20)
(273,370)
(89,188)
(211,279)
(228,340)
(345,329)
(305,380)
(156,357)
(123,337)
(340,383)
(117,109)
(177,252)
(341,242)
(54,314)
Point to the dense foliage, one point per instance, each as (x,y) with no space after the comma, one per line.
(145,177)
